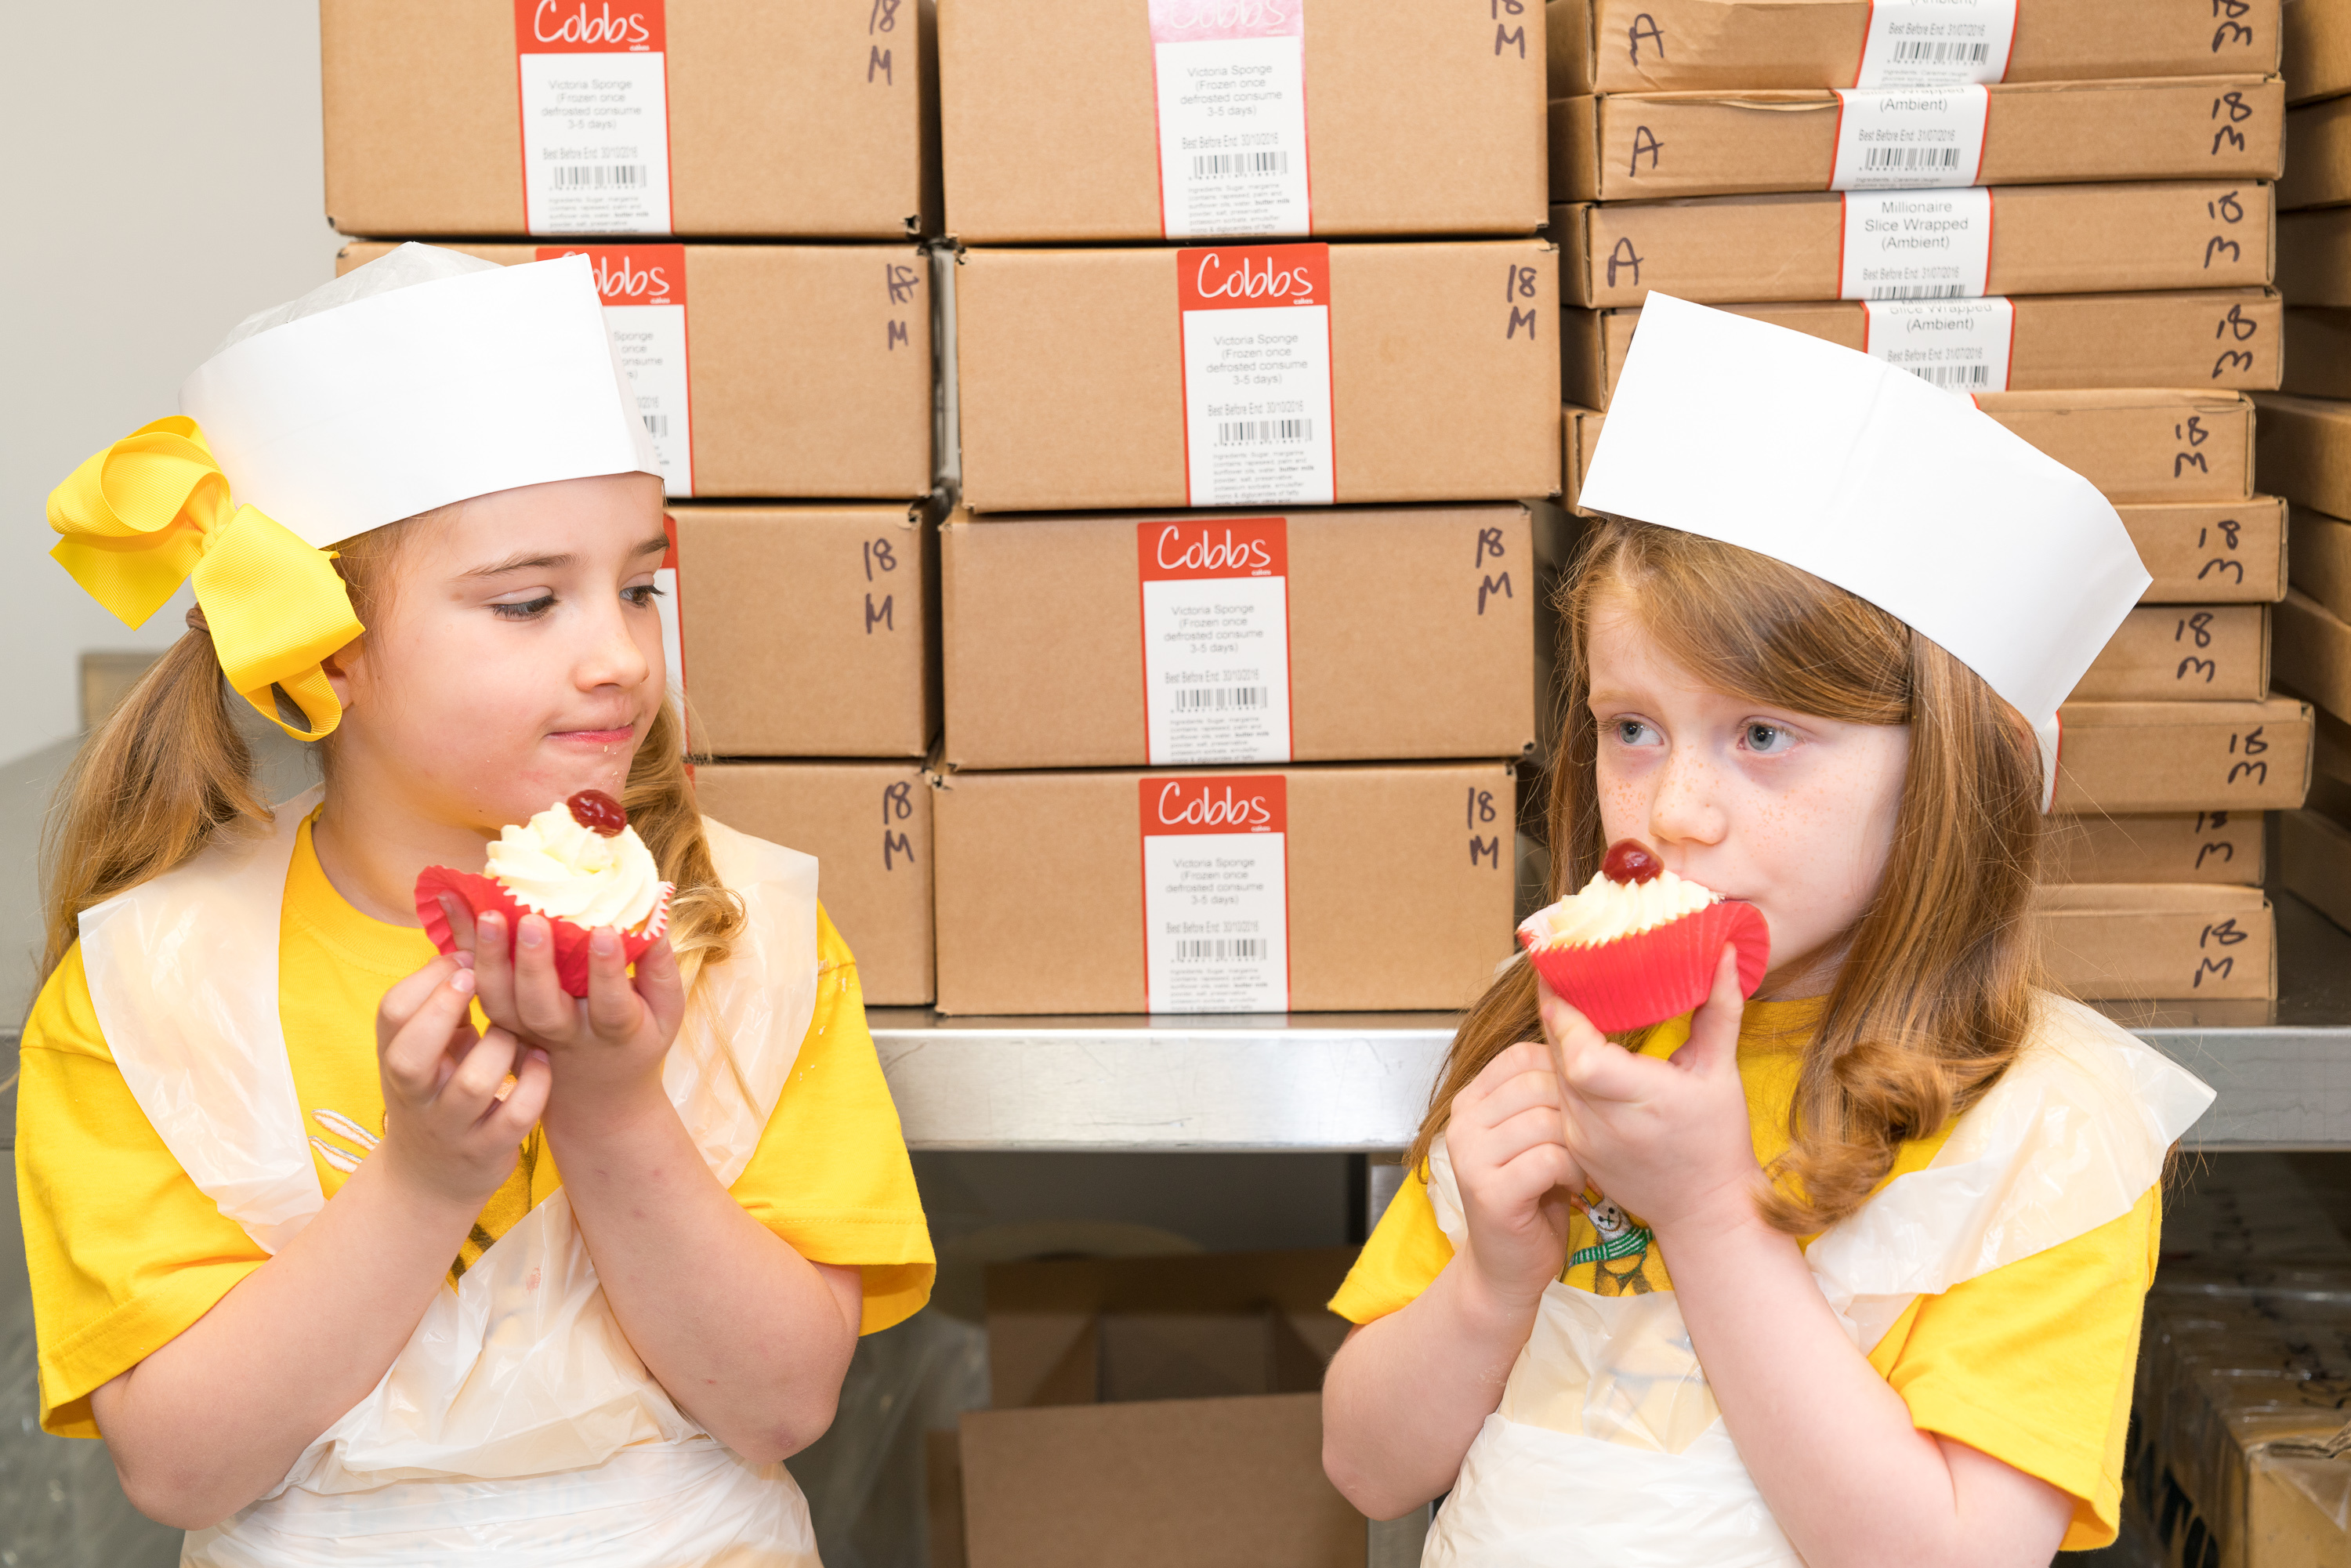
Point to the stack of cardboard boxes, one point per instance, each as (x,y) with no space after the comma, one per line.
(1239,608)
(692,153)
(2305,441)
(2063,211)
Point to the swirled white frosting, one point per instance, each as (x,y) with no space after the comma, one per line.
(558,868)
(1605,910)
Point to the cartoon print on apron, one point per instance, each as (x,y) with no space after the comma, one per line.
(516,1426)
(1608,1446)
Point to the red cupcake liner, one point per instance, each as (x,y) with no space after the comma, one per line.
(482,894)
(1651,976)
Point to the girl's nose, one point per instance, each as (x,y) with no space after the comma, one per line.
(612,656)
(1686,808)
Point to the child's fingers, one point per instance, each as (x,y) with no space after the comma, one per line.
(1541,1167)
(474,1086)
(544,1009)
(1526,1056)
(404,996)
(1622,1077)
(613,1008)
(1535,1088)
(413,1057)
(494,964)
(1713,1041)
(1529,1129)
(1569,1032)
(511,1119)
(661,986)
(461,921)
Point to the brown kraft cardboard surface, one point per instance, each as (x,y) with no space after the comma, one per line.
(2171,652)
(2171,846)
(2314,862)
(869,826)
(2217,338)
(2314,256)
(1406,633)
(1631,46)
(2319,553)
(2137,757)
(808,629)
(1041,900)
(2045,239)
(2313,653)
(2115,942)
(2305,450)
(2138,448)
(2318,352)
(2320,173)
(786,117)
(2230,552)
(1459,152)
(809,367)
(1072,376)
(2317,55)
(1640,146)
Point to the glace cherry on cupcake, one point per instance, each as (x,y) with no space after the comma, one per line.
(1639,945)
(578,864)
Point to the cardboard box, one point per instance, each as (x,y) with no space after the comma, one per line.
(2137,757)
(2320,173)
(2319,552)
(2139,447)
(1042,908)
(2313,653)
(2314,862)
(869,826)
(1401,632)
(2045,239)
(2316,59)
(804,370)
(1157,1411)
(1640,146)
(2318,352)
(2240,1469)
(2230,552)
(2170,847)
(2305,450)
(2205,339)
(2314,255)
(1630,45)
(1071,377)
(808,629)
(786,117)
(2126,941)
(2171,652)
(1458,152)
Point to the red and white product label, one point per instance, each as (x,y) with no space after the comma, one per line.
(595,116)
(1257,375)
(1231,80)
(1215,639)
(1908,138)
(1936,43)
(1959,345)
(1215,894)
(673,621)
(643,289)
(1916,244)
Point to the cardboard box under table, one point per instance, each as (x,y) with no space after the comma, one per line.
(1065,121)
(1310,636)
(1957,242)
(808,627)
(2140,448)
(1335,887)
(767,370)
(1632,46)
(692,117)
(1289,374)
(2305,450)
(2113,942)
(2171,846)
(869,826)
(1156,1411)
(2209,339)
(1640,146)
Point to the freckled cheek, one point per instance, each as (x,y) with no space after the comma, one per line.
(1625,796)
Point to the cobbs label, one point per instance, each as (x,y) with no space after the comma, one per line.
(1242,278)
(1215,547)
(1196,21)
(1228,803)
(630,274)
(589,26)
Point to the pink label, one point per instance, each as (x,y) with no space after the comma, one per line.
(1217,21)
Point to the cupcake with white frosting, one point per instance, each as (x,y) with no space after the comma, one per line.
(1638,945)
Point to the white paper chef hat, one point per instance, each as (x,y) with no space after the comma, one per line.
(422,378)
(1865,475)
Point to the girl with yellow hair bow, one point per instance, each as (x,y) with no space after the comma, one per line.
(298,1246)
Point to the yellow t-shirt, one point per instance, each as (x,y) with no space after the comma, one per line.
(2030,1363)
(125,1252)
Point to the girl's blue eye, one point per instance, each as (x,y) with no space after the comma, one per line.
(1766,739)
(1631,732)
(525,609)
(641,596)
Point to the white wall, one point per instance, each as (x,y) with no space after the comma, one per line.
(173,188)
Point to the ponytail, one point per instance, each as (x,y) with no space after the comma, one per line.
(148,790)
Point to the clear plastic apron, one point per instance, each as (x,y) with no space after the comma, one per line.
(516,1427)
(1608,1446)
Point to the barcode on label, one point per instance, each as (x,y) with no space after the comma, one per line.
(1908,160)
(1954,378)
(1219,949)
(1921,291)
(1199,699)
(656,423)
(1923,52)
(1229,165)
(1263,431)
(598,177)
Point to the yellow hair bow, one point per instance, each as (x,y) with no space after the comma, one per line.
(151,511)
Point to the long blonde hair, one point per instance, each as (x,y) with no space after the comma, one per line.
(168,773)
(1934,996)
